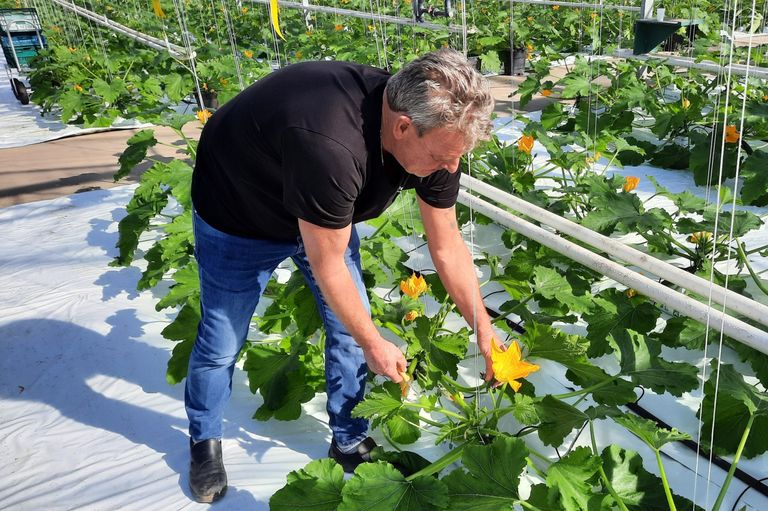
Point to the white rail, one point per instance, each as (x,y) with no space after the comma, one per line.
(735,328)
(692,63)
(153,42)
(365,15)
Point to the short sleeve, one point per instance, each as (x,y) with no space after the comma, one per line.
(440,189)
(321,178)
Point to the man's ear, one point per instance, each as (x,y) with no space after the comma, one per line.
(402,123)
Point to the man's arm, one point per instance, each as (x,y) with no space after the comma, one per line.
(457,272)
(325,250)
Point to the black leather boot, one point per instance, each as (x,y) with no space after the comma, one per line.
(350,461)
(207,477)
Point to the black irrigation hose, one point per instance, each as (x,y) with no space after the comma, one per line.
(742,476)
(751,482)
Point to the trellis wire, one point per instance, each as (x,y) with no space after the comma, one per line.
(232,43)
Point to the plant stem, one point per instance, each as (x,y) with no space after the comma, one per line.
(439,464)
(736,458)
(603,475)
(664,481)
(527,505)
(585,390)
(752,273)
(445,412)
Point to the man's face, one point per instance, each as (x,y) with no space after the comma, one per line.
(436,149)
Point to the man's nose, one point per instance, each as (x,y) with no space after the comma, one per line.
(453,165)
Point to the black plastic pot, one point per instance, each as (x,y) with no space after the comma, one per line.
(514,62)
(210,99)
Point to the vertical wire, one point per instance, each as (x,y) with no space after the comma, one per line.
(216,21)
(375,32)
(190,53)
(714,244)
(233,43)
(99,39)
(383,30)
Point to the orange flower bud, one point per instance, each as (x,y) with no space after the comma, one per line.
(630,183)
(525,144)
(731,134)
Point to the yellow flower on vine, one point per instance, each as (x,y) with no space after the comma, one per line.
(338,28)
(732,135)
(248,54)
(700,237)
(411,315)
(546,92)
(525,144)
(594,158)
(413,286)
(555,7)
(509,366)
(244,10)
(78,87)
(686,103)
(631,293)
(630,183)
(203,115)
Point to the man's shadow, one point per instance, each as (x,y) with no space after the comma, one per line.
(59,364)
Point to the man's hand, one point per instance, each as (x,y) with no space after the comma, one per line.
(485,348)
(386,359)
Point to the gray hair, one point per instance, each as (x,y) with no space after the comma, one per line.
(443,90)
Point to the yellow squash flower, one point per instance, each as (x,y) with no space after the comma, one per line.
(78,87)
(630,183)
(338,28)
(594,158)
(203,115)
(555,7)
(546,92)
(765,97)
(248,54)
(404,383)
(411,315)
(158,9)
(413,286)
(631,293)
(731,134)
(700,237)
(686,103)
(244,10)
(525,144)
(509,366)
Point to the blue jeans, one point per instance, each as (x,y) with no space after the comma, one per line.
(234,272)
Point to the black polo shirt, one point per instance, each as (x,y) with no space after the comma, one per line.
(303,142)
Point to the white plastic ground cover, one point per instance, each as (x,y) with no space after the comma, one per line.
(87,420)
(22,125)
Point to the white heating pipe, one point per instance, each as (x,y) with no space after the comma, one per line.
(152,42)
(364,15)
(734,301)
(581,5)
(732,327)
(692,63)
